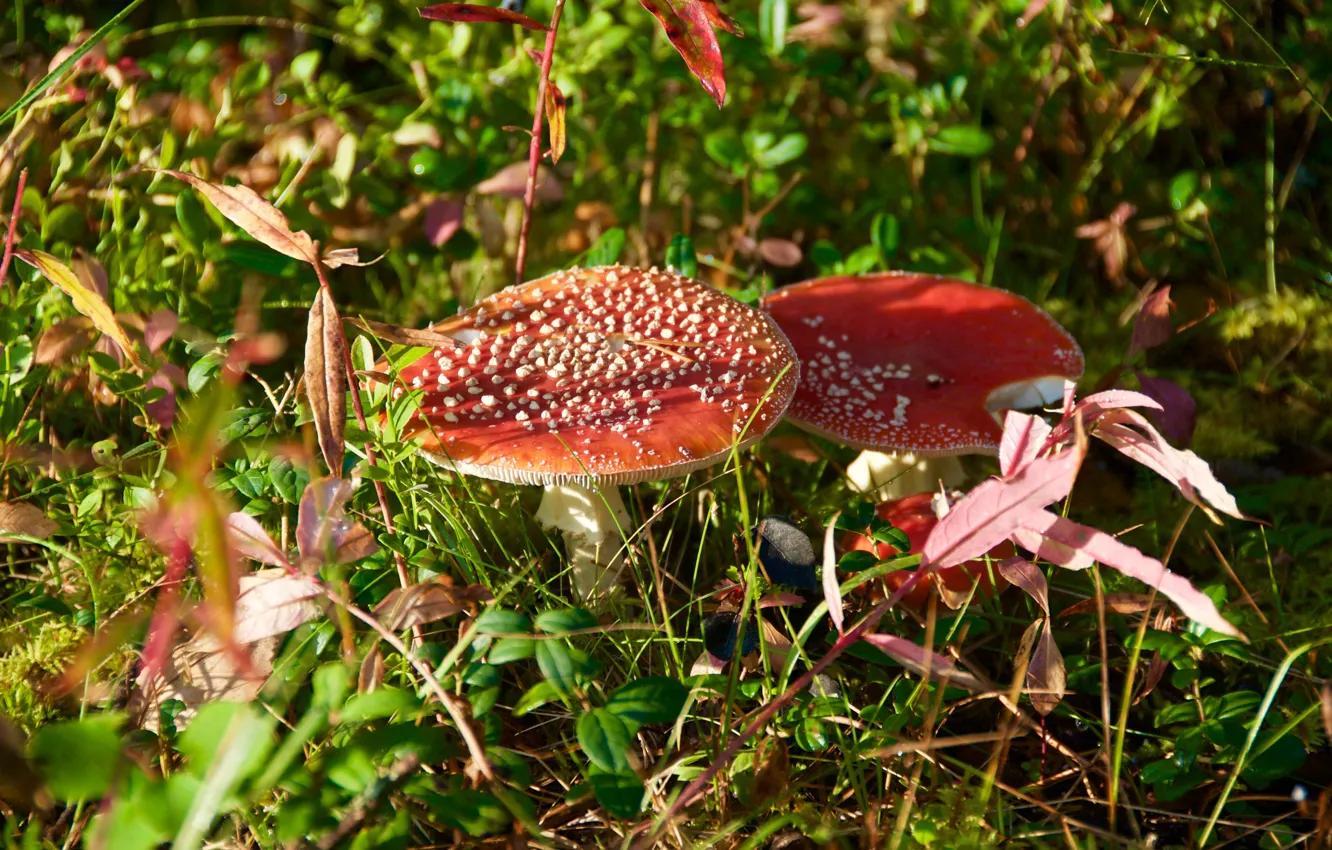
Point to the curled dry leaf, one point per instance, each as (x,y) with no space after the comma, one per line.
(1046,679)
(85,300)
(467,13)
(201,670)
(326,378)
(404,336)
(1115,603)
(427,602)
(246,209)
(337,257)
(556,106)
(26,519)
(921,661)
(688,26)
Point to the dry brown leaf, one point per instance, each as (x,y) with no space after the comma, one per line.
(23,518)
(201,670)
(511,182)
(556,106)
(87,301)
(1046,679)
(1327,708)
(796,446)
(372,671)
(782,253)
(326,378)
(64,339)
(246,209)
(403,336)
(1115,603)
(426,602)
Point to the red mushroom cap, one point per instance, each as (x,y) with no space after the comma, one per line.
(915,517)
(913,362)
(611,374)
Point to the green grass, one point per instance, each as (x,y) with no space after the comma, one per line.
(939,137)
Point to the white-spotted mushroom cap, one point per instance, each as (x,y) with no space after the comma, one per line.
(913,362)
(611,374)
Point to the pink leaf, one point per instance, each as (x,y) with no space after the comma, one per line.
(1135,437)
(1152,325)
(1028,577)
(323,532)
(1134,564)
(987,515)
(689,28)
(158,329)
(922,662)
(467,13)
(1046,679)
(1179,412)
(1049,550)
(1024,437)
(832,591)
(250,539)
(163,410)
(442,219)
(781,599)
(272,603)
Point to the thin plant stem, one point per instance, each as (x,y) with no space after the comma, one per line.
(13,225)
(534,150)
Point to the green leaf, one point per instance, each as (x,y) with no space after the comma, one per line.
(886,233)
(811,736)
(773,17)
(497,621)
(474,812)
(535,697)
(556,664)
(653,699)
(226,726)
(961,140)
(680,256)
(565,620)
(605,740)
(305,66)
(507,650)
(607,249)
(620,794)
(791,147)
(726,149)
(78,758)
(379,703)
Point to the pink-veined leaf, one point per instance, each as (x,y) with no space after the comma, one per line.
(1130,433)
(1111,552)
(250,539)
(326,378)
(1151,327)
(272,602)
(1024,437)
(987,515)
(832,591)
(87,301)
(249,211)
(688,26)
(922,662)
(1049,550)
(468,13)
(1179,413)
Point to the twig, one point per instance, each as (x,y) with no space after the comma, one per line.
(534,150)
(13,225)
(369,801)
(354,384)
(475,748)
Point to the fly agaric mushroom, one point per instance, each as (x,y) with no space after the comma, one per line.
(918,364)
(595,378)
(915,517)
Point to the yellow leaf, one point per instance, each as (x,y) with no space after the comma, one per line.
(555,109)
(246,209)
(86,301)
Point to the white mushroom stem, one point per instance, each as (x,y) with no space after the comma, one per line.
(591,521)
(894,476)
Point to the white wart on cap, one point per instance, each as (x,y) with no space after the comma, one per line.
(918,363)
(613,374)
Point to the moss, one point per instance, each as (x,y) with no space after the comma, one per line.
(24,667)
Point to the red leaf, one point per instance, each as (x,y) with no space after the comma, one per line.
(163,410)
(1152,325)
(1134,564)
(158,329)
(916,658)
(688,26)
(1179,413)
(467,13)
(323,532)
(1028,577)
(720,19)
(987,515)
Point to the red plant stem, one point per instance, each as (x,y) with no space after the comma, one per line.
(765,715)
(354,384)
(534,150)
(13,225)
